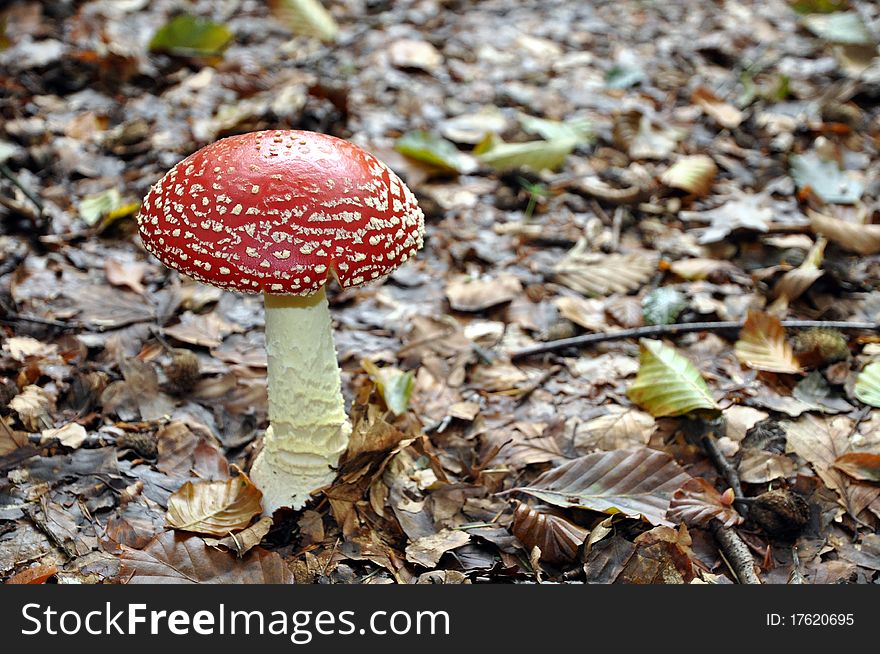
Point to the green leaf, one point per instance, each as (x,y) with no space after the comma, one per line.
(395,385)
(844,27)
(818,6)
(867,387)
(94,207)
(306,18)
(431,149)
(191,36)
(668,384)
(663,305)
(577,131)
(537,155)
(825,179)
(623,77)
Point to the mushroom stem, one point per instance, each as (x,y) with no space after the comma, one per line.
(308,429)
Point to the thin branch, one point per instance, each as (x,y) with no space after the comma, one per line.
(736,553)
(678,328)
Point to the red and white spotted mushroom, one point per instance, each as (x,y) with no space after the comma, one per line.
(278,212)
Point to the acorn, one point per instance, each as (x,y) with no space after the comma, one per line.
(820,346)
(780,513)
(145,445)
(183,370)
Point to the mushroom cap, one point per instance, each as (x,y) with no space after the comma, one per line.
(276,211)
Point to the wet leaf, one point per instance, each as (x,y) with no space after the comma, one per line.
(191,36)
(214,507)
(697,502)
(396,386)
(867,387)
(663,305)
(434,150)
(636,482)
(825,178)
(181,559)
(306,18)
(556,538)
(762,345)
(667,383)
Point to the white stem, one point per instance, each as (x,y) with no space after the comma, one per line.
(308,429)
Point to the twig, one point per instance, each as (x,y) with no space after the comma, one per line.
(724,467)
(678,328)
(736,553)
(7,173)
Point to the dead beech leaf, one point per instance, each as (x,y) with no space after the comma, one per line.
(214,507)
(413,53)
(466,294)
(557,539)
(38,574)
(863,466)
(662,556)
(854,237)
(598,274)
(586,313)
(795,282)
(759,467)
(426,551)
(697,502)
(699,268)
(207,330)
(746,211)
(127,274)
(762,345)
(71,435)
(32,406)
(620,428)
(723,113)
(173,558)
(22,348)
(245,540)
(740,419)
(694,174)
(637,482)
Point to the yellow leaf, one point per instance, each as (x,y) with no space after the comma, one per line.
(668,384)
(762,345)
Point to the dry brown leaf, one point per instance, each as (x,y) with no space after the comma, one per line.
(214,507)
(854,237)
(127,274)
(762,345)
(663,556)
(795,282)
(426,551)
(586,313)
(173,558)
(863,466)
(207,330)
(758,467)
(38,574)
(557,538)
(597,274)
(697,502)
(71,435)
(740,419)
(245,540)
(724,113)
(32,406)
(620,428)
(21,348)
(467,294)
(694,174)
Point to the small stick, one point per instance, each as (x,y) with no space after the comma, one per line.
(7,173)
(736,553)
(678,328)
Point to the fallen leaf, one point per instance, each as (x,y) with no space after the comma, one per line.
(306,18)
(598,274)
(433,150)
(867,386)
(863,466)
(396,386)
(723,113)
(745,212)
(667,383)
(537,155)
(415,53)
(694,174)
(245,540)
(663,305)
(854,237)
(740,419)
(620,428)
(556,538)
(586,313)
(127,274)
(697,502)
(71,435)
(32,406)
(214,507)
(762,345)
(795,282)
(428,550)
(467,294)
(636,482)
(759,467)
(38,574)
(173,558)
(844,27)
(825,179)
(191,36)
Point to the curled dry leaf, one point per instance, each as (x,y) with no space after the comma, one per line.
(795,282)
(637,482)
(593,273)
(214,507)
(697,502)
(694,175)
(557,538)
(466,294)
(854,237)
(245,540)
(668,384)
(762,345)
(32,406)
(173,558)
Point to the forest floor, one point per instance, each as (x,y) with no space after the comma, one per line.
(686,162)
